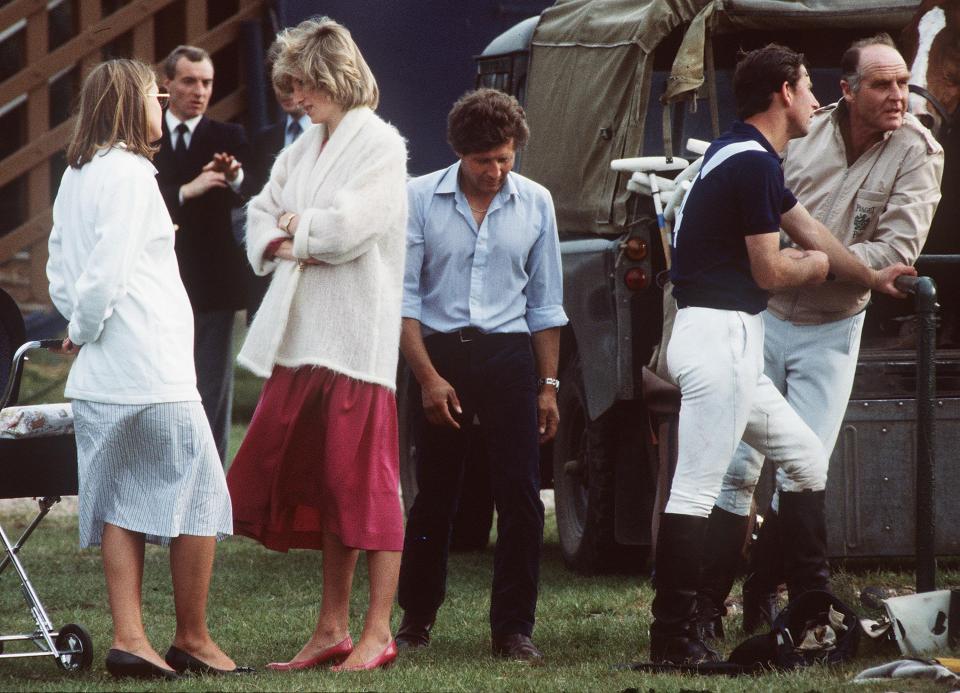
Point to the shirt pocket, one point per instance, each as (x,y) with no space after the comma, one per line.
(866,213)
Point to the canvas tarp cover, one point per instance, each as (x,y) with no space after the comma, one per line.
(797,14)
(591,64)
(577,129)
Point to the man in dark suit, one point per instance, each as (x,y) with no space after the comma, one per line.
(200,175)
(263,151)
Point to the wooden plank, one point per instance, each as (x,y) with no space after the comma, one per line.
(89,13)
(38,149)
(14,11)
(28,233)
(229,106)
(229,30)
(196,20)
(76,48)
(38,122)
(47,144)
(143,43)
(39,285)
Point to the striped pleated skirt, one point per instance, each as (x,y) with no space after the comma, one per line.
(152,469)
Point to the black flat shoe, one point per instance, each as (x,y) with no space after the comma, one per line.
(124,664)
(184,662)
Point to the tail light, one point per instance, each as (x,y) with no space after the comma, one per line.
(636,279)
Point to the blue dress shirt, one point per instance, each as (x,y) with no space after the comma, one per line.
(503,276)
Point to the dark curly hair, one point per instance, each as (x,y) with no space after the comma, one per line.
(760,74)
(485,119)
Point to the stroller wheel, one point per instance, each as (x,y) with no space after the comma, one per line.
(75,647)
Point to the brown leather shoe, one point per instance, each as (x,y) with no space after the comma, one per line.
(413,632)
(517,646)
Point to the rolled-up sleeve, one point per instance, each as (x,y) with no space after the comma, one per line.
(905,222)
(414,263)
(544,290)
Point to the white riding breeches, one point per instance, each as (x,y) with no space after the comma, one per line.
(716,356)
(813,366)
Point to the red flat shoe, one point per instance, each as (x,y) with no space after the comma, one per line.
(334,653)
(381,661)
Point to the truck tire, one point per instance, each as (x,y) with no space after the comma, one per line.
(471,526)
(583,477)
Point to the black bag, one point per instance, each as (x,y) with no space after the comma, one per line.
(780,648)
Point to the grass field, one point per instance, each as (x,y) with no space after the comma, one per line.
(263,605)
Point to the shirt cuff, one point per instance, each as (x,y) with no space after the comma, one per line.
(236,182)
(411,308)
(545,317)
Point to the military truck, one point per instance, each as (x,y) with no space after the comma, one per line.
(603,80)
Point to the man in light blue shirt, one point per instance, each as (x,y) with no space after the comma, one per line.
(482,312)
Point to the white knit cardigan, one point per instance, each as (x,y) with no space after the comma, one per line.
(342,314)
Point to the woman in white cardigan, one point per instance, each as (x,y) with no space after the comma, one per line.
(148,466)
(319,466)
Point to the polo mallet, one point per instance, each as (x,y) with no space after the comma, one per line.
(645,180)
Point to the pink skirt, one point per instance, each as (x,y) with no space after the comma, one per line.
(321,455)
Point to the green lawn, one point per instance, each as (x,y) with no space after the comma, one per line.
(263,606)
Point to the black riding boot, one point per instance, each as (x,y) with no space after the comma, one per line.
(803,528)
(726,533)
(673,634)
(764,575)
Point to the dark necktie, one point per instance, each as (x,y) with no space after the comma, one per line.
(180,148)
(294,130)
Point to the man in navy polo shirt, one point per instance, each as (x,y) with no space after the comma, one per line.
(726,256)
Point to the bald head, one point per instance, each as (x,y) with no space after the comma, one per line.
(876,96)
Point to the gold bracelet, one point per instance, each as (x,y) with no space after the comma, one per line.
(285,225)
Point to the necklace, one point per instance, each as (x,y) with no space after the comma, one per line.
(477,211)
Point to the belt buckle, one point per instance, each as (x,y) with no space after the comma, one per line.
(468,334)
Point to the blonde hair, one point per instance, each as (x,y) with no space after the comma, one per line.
(322,54)
(112,109)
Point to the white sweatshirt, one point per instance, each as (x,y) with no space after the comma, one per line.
(113,274)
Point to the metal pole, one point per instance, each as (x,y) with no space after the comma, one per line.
(925,302)
(926,305)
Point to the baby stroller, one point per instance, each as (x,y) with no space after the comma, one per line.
(38,456)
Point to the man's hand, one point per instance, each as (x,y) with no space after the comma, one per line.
(819,263)
(224,163)
(207,180)
(548,415)
(440,403)
(886,277)
(67,348)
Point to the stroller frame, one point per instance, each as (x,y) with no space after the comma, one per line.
(71,646)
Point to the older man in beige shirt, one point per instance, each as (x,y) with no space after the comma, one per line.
(870,172)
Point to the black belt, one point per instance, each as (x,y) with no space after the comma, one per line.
(468,334)
(462,336)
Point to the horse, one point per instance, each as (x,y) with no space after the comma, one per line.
(931,43)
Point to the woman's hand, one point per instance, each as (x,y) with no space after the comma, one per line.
(67,348)
(285,252)
(288,222)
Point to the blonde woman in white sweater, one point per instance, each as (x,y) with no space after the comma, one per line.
(148,466)
(318,468)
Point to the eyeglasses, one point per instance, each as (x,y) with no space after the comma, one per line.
(161,96)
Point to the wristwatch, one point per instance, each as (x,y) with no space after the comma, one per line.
(549,381)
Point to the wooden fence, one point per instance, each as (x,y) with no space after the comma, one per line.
(89,31)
